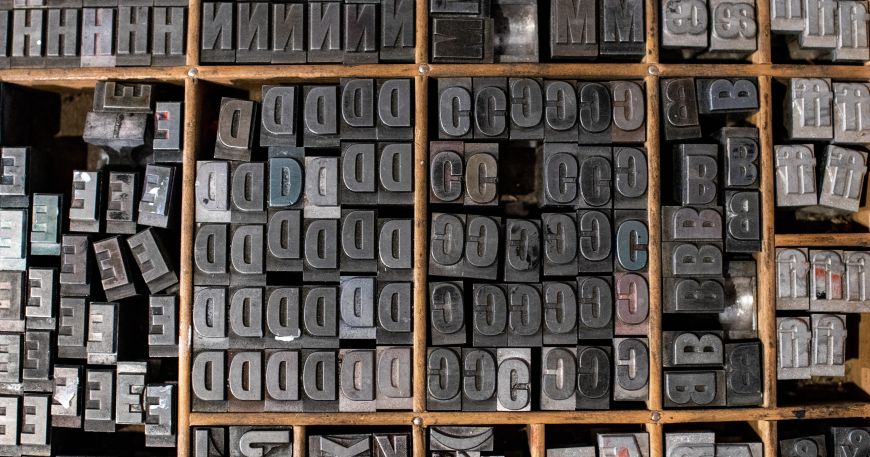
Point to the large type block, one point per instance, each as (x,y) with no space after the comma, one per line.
(158,186)
(97,37)
(15,173)
(284,241)
(71,328)
(522,250)
(828,345)
(40,309)
(397,30)
(395,249)
(697,173)
(490,108)
(282,381)
(212,190)
(826,280)
(595,308)
(122,97)
(734,28)
(692,260)
(162,326)
(851,112)
(252,33)
(489,318)
(335,445)
(852,31)
(103,337)
(743,376)
(740,157)
(526,108)
(324,32)
(792,285)
(594,112)
(247,193)
(560,313)
(445,438)
(481,174)
(211,254)
(631,293)
(810,445)
(217,44)
(13,239)
(742,221)
(356,380)
(283,327)
(558,374)
(479,379)
(319,317)
(560,111)
(66,404)
(611,445)
(595,175)
(130,392)
(573,29)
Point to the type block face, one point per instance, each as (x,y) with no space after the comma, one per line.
(522,250)
(121,205)
(558,372)
(46,223)
(462,40)
(269,442)
(808,109)
(794,342)
(75,266)
(162,326)
(443,438)
(41,299)
(514,373)
(684,24)
(843,175)
(157,195)
(631,369)
(679,109)
(66,404)
(573,29)
(694,388)
(71,328)
(734,28)
(447,244)
(153,262)
(622,28)
(99,412)
(443,379)
(810,445)
(447,314)
(114,269)
(14,188)
(690,349)
(84,216)
(13,239)
(795,175)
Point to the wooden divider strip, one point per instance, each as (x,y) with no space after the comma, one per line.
(653,151)
(537,440)
(300,441)
(194,15)
(421,255)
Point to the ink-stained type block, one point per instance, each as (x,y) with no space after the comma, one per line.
(679,109)
(283,326)
(247,193)
(395,249)
(692,349)
(394,313)
(245,318)
(97,37)
(260,441)
(560,244)
(320,116)
(560,309)
(573,31)
(130,392)
(344,445)
(742,221)
(594,241)
(103,338)
(160,415)
(99,412)
(826,280)
(252,33)
(321,188)
(525,315)
(794,341)
(595,308)
(850,440)
(629,178)
(212,190)
(593,377)
(84,208)
(247,266)
(622,31)
(443,379)
(168,26)
(131,39)
(795,175)
(210,255)
(14,177)
(490,314)
(595,111)
(631,294)
(282,381)
(319,383)
(560,175)
(514,391)
(526,97)
(217,44)
(743,374)
(46,223)
(447,313)
(446,438)
(446,171)
(842,178)
(522,250)
(168,121)
(481,174)
(114,268)
(851,113)
(740,155)
(324,32)
(155,207)
(632,240)
(718,96)
(685,24)
(686,223)
(208,380)
(13,239)
(245,381)
(490,108)
(447,244)
(61,37)
(815,446)
(235,129)
(397,31)
(319,317)
(284,240)
(688,389)
(829,345)
(697,171)
(394,110)
(286,180)
(320,252)
(612,445)
(692,260)
(76,264)
(595,176)
(121,206)
(558,378)
(820,26)
(852,31)
(356,380)
(689,295)
(288,33)
(394,370)
(357,308)
(455,108)
(358,228)
(71,327)
(153,261)
(462,40)
(41,297)
(395,174)
(560,111)
(808,109)
(479,379)
(360,32)
(481,247)
(357,109)
(391,444)
(733,28)
(162,326)
(66,401)
(631,369)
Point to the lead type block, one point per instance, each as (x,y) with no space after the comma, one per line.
(283,327)
(395,174)
(212,191)
(153,261)
(394,313)
(684,25)
(447,313)
(851,123)
(168,122)
(479,379)
(632,240)
(612,445)
(573,31)
(288,33)
(245,318)
(247,193)
(445,438)
(321,188)
(595,176)
(793,348)
(235,130)
(490,108)
(35,361)
(558,375)
(718,96)
(71,327)
(397,30)
(795,175)
(828,344)
(692,349)
(462,40)
(217,43)
(66,402)
(698,170)
(393,371)
(320,253)
(62,37)
(168,26)
(394,110)
(245,381)
(742,221)
(155,207)
(252,441)
(481,247)
(131,39)
(631,292)
(99,412)
(324,32)
(35,429)
(395,249)
(75,266)
(593,377)
(687,389)
(489,318)
(208,381)
(734,29)
(447,244)
(114,266)
(335,445)
(842,178)
(286,179)
(446,171)
(595,111)
(595,308)
(46,224)
(103,338)
(14,172)
(595,241)
(525,315)
(560,313)
(680,109)
(631,369)
(162,326)
(358,228)
(319,317)
(815,446)
(252,33)
(852,30)
(481,175)
(743,374)
(522,250)
(121,208)
(357,308)
(622,31)
(130,392)
(356,386)
(282,381)
(284,239)
(210,255)
(13,239)
(320,116)
(526,108)
(629,178)
(443,379)
(319,385)
(85,204)
(41,297)
(514,392)
(159,404)
(360,32)
(808,109)
(560,111)
(357,109)
(792,286)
